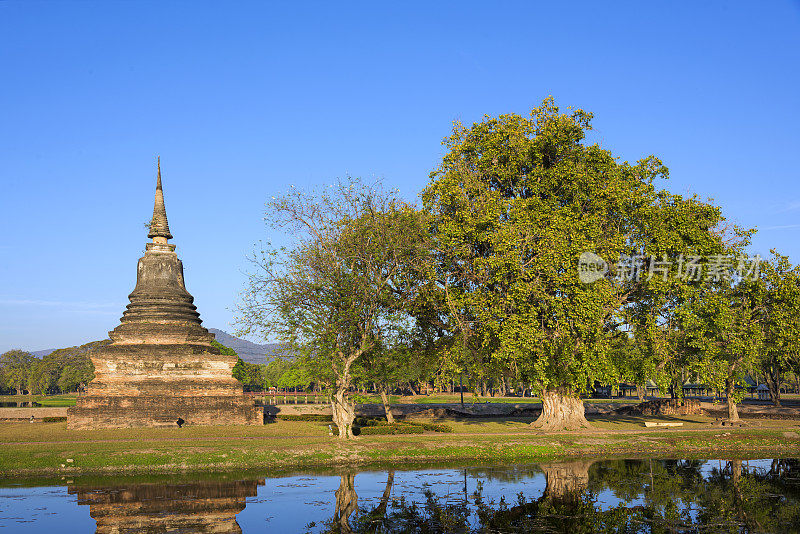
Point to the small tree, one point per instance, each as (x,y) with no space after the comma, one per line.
(725,326)
(341,285)
(781,350)
(387,365)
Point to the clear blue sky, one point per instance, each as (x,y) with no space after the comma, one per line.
(243,99)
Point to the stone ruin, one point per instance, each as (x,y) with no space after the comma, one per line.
(657,407)
(161,368)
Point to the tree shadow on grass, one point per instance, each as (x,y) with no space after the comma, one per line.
(499,420)
(639,420)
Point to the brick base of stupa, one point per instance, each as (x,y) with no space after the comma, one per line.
(162,411)
(153,386)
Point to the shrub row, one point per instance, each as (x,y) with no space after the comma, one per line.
(363,421)
(397,428)
(436,427)
(374,426)
(61,419)
(306,417)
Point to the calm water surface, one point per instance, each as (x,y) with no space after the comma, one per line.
(582,496)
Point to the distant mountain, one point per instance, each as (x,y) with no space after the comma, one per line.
(247,350)
(43,353)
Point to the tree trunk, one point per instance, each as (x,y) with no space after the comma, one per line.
(738,500)
(412,388)
(733,413)
(562,409)
(387,410)
(503,387)
(640,392)
(565,482)
(344,413)
(387,492)
(346,503)
(773,380)
(483,388)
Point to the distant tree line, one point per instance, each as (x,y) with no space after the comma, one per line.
(280,372)
(70,369)
(61,371)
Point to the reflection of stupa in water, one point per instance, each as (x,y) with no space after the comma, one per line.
(209,507)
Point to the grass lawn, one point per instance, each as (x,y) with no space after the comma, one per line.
(67,399)
(47,448)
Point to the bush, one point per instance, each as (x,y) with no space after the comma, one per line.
(306,417)
(53,419)
(437,427)
(397,428)
(363,421)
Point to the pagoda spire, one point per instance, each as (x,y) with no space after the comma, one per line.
(159,227)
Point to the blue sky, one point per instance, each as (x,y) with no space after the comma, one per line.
(243,99)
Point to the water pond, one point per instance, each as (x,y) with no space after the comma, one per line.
(579,496)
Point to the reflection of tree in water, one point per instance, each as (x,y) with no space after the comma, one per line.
(370,520)
(565,505)
(761,500)
(346,502)
(655,496)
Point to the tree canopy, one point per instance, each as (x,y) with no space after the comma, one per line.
(514,204)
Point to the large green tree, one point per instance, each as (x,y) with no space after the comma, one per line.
(72,367)
(513,206)
(15,369)
(342,283)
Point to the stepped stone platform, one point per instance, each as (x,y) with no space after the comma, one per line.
(161,367)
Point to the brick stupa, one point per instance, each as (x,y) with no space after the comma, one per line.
(160,368)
